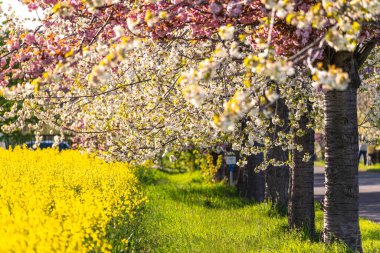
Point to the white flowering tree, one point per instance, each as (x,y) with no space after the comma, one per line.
(368,100)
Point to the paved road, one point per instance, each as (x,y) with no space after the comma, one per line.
(369,197)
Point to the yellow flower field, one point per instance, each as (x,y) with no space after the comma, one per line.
(65,202)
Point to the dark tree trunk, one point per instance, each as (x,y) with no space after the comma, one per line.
(277,177)
(222,170)
(214,157)
(277,181)
(301,194)
(251,184)
(341,205)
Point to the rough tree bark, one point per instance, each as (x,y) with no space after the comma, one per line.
(301,189)
(340,204)
(277,178)
(251,184)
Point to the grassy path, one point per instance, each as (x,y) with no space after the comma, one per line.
(185,215)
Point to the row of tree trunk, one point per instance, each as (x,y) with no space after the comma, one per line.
(293,189)
(289,191)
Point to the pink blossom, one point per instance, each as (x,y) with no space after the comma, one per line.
(29,39)
(33,6)
(2,62)
(25,57)
(216,8)
(234,9)
(13,46)
(182,17)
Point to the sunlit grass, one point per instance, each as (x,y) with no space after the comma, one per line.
(186,215)
(319,163)
(373,168)
(362,167)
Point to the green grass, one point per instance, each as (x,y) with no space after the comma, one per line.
(185,215)
(319,163)
(362,167)
(372,168)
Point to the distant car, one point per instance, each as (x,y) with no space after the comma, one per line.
(49,144)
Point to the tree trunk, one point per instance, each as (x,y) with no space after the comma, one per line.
(277,181)
(251,184)
(301,195)
(277,177)
(341,205)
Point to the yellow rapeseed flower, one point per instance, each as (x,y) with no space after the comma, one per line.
(54,201)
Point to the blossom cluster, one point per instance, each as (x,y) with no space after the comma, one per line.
(132,78)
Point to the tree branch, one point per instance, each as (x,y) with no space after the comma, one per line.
(362,53)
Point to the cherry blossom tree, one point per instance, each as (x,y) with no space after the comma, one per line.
(133,78)
(368,99)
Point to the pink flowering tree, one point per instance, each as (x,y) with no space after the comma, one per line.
(136,77)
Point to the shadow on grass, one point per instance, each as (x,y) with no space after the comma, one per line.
(215,197)
(183,200)
(190,190)
(149,176)
(373,235)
